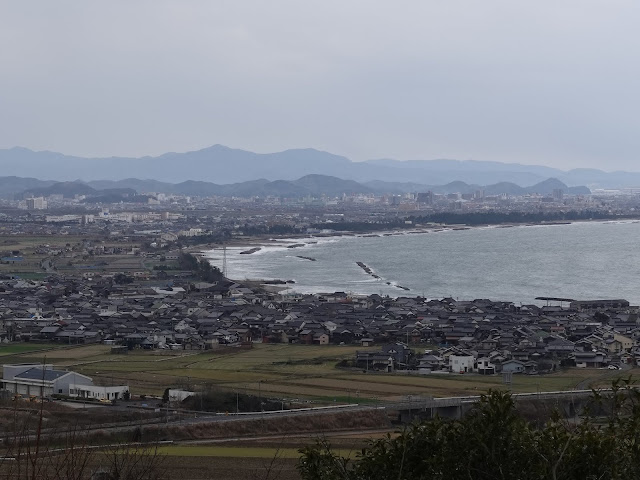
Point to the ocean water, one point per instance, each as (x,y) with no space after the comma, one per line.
(580,260)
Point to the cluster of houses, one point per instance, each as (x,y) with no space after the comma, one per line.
(495,337)
(480,336)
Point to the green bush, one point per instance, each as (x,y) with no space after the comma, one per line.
(495,442)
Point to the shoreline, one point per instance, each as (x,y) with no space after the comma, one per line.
(271,240)
(295,242)
(252,245)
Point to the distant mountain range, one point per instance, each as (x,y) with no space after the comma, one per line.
(223,166)
(133,189)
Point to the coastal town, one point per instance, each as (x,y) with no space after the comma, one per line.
(479,336)
(132,276)
(328,241)
(75,208)
(120,313)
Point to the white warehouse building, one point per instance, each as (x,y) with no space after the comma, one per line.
(43,381)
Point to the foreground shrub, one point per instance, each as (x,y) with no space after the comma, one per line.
(495,442)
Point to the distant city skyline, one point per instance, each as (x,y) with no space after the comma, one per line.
(550,84)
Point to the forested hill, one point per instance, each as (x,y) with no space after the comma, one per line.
(223,165)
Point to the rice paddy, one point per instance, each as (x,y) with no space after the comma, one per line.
(290,372)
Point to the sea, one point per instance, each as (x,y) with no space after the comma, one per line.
(582,260)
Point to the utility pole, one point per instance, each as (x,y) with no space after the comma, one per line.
(224,261)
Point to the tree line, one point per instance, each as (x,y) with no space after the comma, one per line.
(201,269)
(494,218)
(494,441)
(471,219)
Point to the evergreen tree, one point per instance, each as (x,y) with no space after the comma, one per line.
(495,442)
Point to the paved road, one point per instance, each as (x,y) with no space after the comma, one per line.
(80,405)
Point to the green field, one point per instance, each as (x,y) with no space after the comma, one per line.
(227,452)
(236,452)
(15,348)
(296,373)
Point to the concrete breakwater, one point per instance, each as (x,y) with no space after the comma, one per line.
(311,259)
(368,271)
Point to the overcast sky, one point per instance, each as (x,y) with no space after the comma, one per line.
(545,82)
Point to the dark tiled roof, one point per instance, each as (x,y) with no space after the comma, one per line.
(38,374)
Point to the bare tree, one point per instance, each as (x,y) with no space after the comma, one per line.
(134,462)
(33,455)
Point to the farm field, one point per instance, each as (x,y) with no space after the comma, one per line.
(291,372)
(25,246)
(229,468)
(254,457)
(25,348)
(36,265)
(207,467)
(228,452)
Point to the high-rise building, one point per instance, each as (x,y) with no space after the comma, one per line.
(425,197)
(36,203)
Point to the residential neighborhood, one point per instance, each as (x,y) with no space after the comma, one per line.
(425,336)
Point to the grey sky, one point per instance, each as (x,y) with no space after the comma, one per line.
(545,82)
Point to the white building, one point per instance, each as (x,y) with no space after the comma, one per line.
(62,218)
(461,363)
(179,395)
(95,392)
(40,380)
(192,232)
(36,203)
(485,367)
